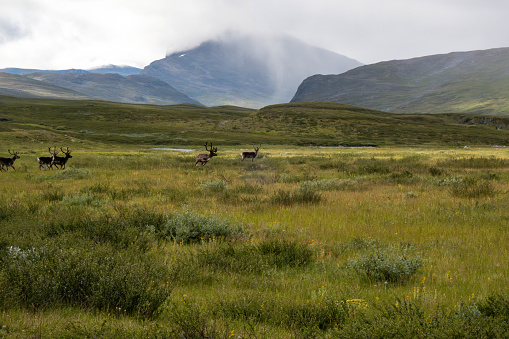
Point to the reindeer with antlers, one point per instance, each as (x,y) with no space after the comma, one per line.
(60,161)
(250,155)
(46,161)
(8,162)
(204,158)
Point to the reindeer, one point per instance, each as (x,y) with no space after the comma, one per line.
(203,158)
(60,161)
(8,162)
(250,155)
(46,161)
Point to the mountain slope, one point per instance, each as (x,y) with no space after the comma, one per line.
(476,82)
(122,70)
(246,71)
(114,87)
(25,87)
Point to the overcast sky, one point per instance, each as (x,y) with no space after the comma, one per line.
(60,34)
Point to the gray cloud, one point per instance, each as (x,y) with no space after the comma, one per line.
(88,33)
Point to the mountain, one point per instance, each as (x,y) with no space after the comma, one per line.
(475,82)
(21,71)
(245,70)
(21,86)
(122,70)
(114,87)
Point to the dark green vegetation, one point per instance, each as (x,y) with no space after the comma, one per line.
(83,124)
(474,82)
(304,242)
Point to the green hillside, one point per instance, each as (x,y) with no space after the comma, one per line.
(91,123)
(474,82)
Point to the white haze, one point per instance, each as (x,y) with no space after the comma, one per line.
(58,34)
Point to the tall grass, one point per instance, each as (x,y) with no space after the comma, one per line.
(306,242)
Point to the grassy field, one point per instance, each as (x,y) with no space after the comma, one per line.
(133,240)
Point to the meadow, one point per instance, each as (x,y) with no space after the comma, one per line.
(131,239)
(301,242)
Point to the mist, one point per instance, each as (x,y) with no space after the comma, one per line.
(59,34)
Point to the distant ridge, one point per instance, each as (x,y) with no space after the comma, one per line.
(122,70)
(475,82)
(245,70)
(21,86)
(136,89)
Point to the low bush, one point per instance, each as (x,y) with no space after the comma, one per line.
(308,319)
(247,258)
(188,226)
(85,276)
(383,266)
(129,226)
(495,306)
(304,194)
(406,318)
(470,188)
(214,186)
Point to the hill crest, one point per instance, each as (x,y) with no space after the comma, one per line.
(474,82)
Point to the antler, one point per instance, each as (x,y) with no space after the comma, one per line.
(66,151)
(211,148)
(55,152)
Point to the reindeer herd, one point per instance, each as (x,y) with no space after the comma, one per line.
(46,163)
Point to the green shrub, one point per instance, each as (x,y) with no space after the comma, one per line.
(53,194)
(247,188)
(83,199)
(472,188)
(285,254)
(96,188)
(130,226)
(189,320)
(71,173)
(247,258)
(333,184)
(370,166)
(406,318)
(475,162)
(405,177)
(5,211)
(214,186)
(309,319)
(87,276)
(304,194)
(495,306)
(384,267)
(188,226)
(357,243)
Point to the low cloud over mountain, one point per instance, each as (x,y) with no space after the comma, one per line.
(245,70)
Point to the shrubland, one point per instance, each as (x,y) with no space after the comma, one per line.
(407,239)
(300,242)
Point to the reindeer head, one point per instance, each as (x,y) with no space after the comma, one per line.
(66,152)
(14,155)
(212,150)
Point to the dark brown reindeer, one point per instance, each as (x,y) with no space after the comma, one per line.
(61,161)
(46,161)
(203,158)
(8,162)
(250,155)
